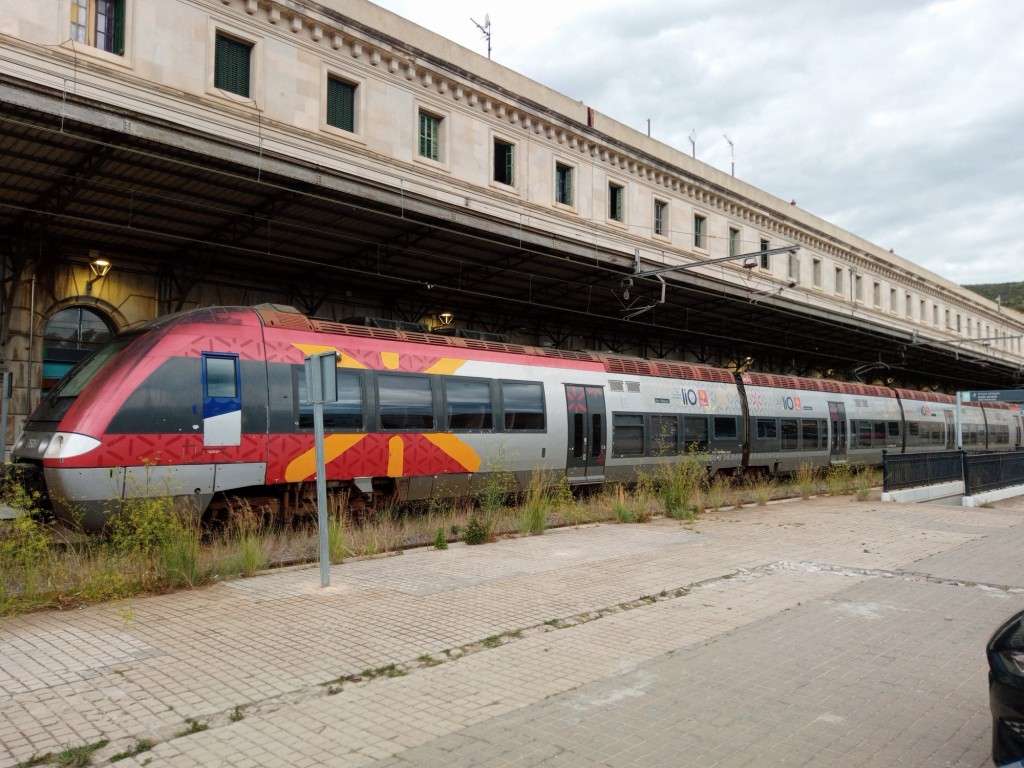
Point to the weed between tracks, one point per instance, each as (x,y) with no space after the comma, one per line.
(152,547)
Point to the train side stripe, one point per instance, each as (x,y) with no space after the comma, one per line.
(396,457)
(457,449)
(344,361)
(304,465)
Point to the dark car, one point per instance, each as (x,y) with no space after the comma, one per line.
(1006,691)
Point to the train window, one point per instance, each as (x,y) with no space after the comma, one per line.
(864,433)
(628,434)
(346,413)
(893,434)
(725,427)
(809,434)
(767,429)
(220,375)
(664,435)
(468,404)
(523,405)
(695,434)
(878,433)
(405,402)
(790,434)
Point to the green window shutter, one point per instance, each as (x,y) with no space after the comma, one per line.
(119,20)
(231,66)
(509,167)
(341,100)
(504,166)
(429,133)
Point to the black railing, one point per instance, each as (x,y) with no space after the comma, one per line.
(913,470)
(989,471)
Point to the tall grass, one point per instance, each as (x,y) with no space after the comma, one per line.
(538,505)
(838,479)
(678,484)
(152,546)
(762,488)
(806,480)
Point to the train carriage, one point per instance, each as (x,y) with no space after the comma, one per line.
(210,404)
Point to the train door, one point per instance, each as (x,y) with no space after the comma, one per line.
(951,436)
(222,400)
(586,448)
(837,416)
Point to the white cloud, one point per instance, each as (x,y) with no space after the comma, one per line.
(898,120)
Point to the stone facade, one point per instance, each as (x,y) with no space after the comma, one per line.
(626,191)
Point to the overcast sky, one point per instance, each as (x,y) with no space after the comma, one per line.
(901,121)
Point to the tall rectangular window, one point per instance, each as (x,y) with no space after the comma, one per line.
(839,280)
(616,202)
(504,162)
(765,258)
(99,23)
(909,306)
(858,288)
(734,241)
(876,295)
(660,217)
(563,184)
(341,104)
(700,235)
(894,303)
(430,136)
(232,65)
(816,272)
(794,267)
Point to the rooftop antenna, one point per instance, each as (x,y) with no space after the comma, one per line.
(732,153)
(693,143)
(486,29)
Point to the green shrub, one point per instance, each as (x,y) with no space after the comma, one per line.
(478,529)
(677,483)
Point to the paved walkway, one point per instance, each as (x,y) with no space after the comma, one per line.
(814,632)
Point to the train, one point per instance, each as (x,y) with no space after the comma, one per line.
(210,405)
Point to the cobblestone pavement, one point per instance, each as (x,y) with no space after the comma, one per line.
(815,632)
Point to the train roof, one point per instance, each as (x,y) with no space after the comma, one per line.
(780,381)
(276,316)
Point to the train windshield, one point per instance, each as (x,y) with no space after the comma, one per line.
(73,384)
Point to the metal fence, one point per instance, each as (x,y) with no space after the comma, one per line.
(979,471)
(989,471)
(913,470)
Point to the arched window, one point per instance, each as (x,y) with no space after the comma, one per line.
(72,335)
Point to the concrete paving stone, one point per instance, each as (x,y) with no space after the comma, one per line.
(192,648)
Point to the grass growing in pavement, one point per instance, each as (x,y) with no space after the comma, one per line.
(152,547)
